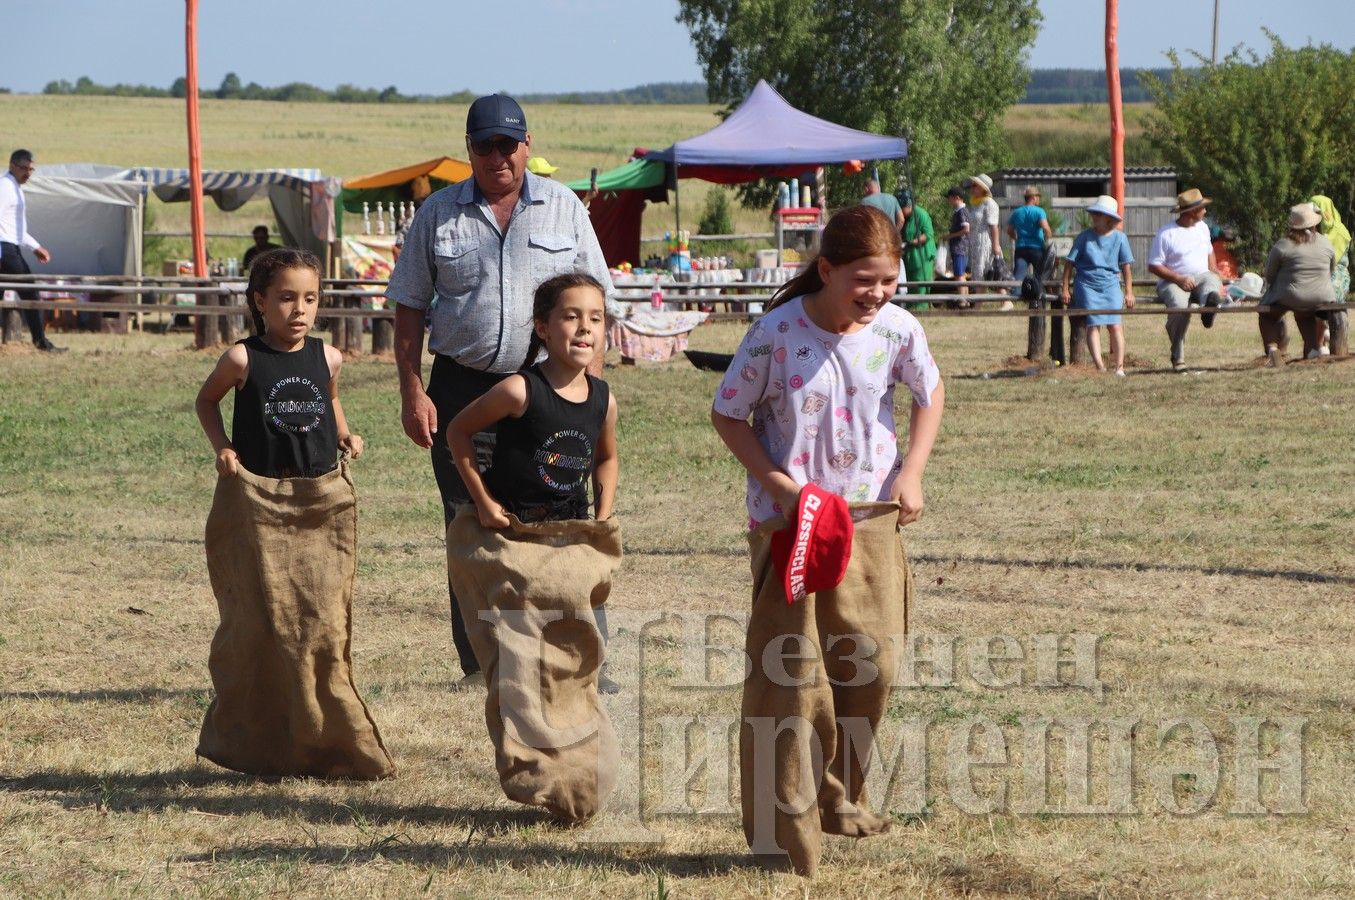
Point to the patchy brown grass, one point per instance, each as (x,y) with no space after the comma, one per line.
(1201,524)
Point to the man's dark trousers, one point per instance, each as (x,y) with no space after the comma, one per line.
(12,262)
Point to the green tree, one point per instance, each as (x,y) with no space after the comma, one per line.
(939,72)
(716,218)
(230,87)
(1259,135)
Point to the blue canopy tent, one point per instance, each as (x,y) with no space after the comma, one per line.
(766,131)
(766,137)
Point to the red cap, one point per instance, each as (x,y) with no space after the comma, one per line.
(813,553)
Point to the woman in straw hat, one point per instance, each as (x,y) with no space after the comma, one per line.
(1298,273)
(983,234)
(1101,257)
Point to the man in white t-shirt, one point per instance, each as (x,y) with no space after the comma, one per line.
(1182,258)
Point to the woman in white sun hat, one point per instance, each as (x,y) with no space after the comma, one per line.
(983,232)
(1101,258)
(1298,277)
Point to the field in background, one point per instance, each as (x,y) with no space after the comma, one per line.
(1188,520)
(349,140)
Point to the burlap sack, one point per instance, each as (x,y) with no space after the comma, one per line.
(526,594)
(800,774)
(282,555)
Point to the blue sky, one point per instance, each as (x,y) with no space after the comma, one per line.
(422,46)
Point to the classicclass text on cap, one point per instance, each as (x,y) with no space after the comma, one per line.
(493,115)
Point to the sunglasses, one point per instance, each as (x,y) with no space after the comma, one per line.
(505,145)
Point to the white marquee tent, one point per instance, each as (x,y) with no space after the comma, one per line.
(91,224)
(90,215)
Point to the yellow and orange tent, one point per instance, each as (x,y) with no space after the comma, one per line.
(405,183)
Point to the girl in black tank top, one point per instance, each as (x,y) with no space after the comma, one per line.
(556,423)
(287,422)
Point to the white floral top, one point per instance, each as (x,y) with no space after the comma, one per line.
(822,404)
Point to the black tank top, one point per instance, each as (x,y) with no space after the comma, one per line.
(545,457)
(284,425)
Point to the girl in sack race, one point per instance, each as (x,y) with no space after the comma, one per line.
(282,545)
(817,376)
(529,567)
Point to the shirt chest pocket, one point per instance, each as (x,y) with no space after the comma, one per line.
(552,253)
(458,264)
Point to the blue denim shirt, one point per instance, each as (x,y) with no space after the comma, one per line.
(484,279)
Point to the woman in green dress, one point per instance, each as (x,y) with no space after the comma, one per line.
(919,245)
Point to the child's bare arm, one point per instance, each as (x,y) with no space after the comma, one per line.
(923,424)
(739,438)
(230,372)
(606,465)
(507,398)
(347,439)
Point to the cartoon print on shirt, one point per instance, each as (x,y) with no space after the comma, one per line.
(827,418)
(814,403)
(749,374)
(843,459)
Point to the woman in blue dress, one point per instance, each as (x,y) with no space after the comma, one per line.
(1101,258)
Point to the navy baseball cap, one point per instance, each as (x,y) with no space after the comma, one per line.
(496,114)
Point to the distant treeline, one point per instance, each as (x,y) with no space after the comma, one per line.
(1046,86)
(1086,85)
(231,88)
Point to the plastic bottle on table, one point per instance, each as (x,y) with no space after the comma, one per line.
(656,295)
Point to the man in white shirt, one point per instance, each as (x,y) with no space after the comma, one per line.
(14,237)
(1182,258)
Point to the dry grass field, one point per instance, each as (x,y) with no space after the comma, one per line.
(1199,526)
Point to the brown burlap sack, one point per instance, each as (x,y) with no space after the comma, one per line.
(282,555)
(526,595)
(805,741)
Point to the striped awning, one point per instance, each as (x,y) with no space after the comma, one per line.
(296,179)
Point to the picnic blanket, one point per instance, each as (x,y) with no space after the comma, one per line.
(526,594)
(282,556)
(804,741)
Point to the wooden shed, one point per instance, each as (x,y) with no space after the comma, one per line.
(1150,194)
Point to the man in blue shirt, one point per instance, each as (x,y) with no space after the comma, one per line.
(481,246)
(885,203)
(1029,228)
